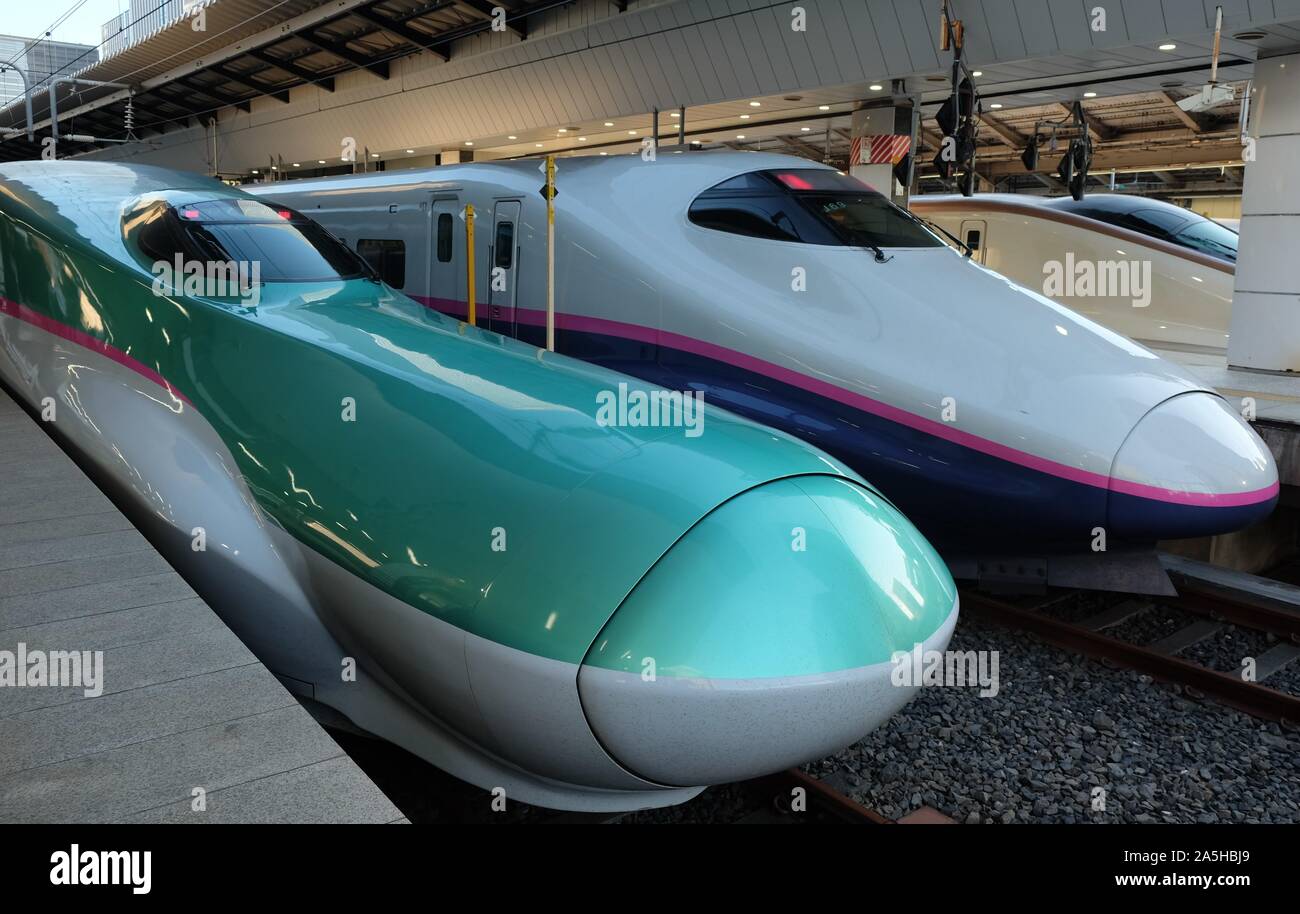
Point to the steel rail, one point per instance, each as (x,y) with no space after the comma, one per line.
(1251,697)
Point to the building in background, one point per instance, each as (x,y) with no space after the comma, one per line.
(42,59)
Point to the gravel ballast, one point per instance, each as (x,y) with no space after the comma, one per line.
(1060,726)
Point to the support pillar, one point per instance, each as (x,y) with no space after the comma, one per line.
(1264,330)
(877,169)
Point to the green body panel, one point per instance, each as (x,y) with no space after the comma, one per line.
(739,599)
(459,432)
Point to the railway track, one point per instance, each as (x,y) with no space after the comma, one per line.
(1216,599)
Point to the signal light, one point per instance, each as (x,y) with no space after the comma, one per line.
(1030,157)
(793,181)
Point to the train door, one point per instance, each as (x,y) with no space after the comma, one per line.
(974,232)
(503,267)
(445,286)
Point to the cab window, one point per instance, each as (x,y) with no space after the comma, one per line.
(285,246)
(386,257)
(810,206)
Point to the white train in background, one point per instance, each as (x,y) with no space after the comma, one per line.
(1006,426)
(1155,272)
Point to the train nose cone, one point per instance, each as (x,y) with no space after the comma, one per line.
(763,638)
(1191,467)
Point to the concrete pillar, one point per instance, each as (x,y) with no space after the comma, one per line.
(1265,325)
(890,120)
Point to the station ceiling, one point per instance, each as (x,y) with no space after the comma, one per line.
(1034,58)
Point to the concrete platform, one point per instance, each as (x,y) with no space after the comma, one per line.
(1277,403)
(184,705)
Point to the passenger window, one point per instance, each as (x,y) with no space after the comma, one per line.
(504,246)
(444,237)
(386,257)
(973,239)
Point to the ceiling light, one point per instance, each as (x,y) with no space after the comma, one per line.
(538,145)
(604,153)
(512,137)
(320,161)
(1168,46)
(410,152)
(469,142)
(631,133)
(374,155)
(740,136)
(1090,95)
(805,129)
(978,73)
(609,123)
(995,105)
(875,87)
(674,114)
(823,107)
(744,117)
(755,104)
(254,171)
(564,130)
(582,139)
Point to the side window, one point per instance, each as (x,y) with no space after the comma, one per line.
(504,245)
(755,216)
(973,239)
(386,257)
(444,237)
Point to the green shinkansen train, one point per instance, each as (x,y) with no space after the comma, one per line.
(433,529)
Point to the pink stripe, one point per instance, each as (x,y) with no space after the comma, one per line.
(81,338)
(942,430)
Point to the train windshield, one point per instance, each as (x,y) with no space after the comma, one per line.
(286,246)
(811,206)
(1209,237)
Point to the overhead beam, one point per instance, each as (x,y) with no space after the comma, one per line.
(800,143)
(239,79)
(1004,133)
(1101,131)
(1131,158)
(343,52)
(484,8)
(244,104)
(405,32)
(1189,122)
(293,69)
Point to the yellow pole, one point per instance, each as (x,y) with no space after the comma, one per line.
(471,317)
(550,253)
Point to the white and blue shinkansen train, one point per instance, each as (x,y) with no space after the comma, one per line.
(1005,425)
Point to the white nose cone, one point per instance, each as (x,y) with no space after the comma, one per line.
(1190,467)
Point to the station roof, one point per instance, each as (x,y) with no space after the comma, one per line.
(250,49)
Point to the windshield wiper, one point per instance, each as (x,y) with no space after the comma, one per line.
(970,251)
